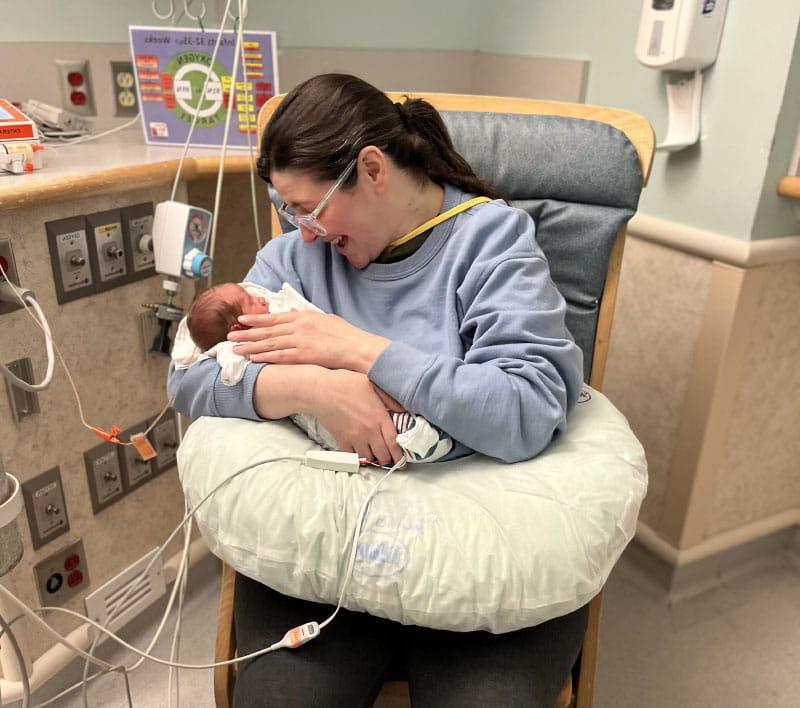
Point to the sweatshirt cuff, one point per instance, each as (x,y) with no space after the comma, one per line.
(237,401)
(398,371)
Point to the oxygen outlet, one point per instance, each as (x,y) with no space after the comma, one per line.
(197,264)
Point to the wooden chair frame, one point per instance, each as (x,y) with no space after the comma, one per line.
(640,133)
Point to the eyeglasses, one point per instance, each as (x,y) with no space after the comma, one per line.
(309,221)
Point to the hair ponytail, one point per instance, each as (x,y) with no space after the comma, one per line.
(325,121)
(442,163)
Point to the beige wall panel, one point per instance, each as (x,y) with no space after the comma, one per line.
(390,70)
(530,77)
(760,470)
(100,338)
(656,326)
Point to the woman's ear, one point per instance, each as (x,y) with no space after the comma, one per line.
(373,168)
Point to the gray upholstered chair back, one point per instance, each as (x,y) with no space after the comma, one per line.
(579,179)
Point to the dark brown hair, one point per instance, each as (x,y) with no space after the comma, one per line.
(323,123)
(211,318)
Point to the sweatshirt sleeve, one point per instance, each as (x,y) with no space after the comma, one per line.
(199,390)
(521,372)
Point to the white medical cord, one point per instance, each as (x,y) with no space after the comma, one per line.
(22,296)
(183,566)
(174,653)
(353,551)
(209,246)
(50,344)
(251,155)
(87,138)
(288,641)
(200,101)
(26,686)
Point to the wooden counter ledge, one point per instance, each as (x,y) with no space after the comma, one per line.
(107,166)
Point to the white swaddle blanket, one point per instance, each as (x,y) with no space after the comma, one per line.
(419,440)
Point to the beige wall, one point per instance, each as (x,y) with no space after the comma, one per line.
(660,304)
(703,361)
(759,473)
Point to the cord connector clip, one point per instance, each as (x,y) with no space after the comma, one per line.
(298,636)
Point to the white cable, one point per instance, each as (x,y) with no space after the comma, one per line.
(200,100)
(356,534)
(242,14)
(221,171)
(290,639)
(26,686)
(47,628)
(22,296)
(174,652)
(87,138)
(41,322)
(134,586)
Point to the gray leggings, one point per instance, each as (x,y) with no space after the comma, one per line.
(347,665)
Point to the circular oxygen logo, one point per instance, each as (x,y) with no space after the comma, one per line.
(189,71)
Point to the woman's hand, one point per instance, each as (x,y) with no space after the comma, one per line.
(308,337)
(354,411)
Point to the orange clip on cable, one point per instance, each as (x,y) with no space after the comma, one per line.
(110,436)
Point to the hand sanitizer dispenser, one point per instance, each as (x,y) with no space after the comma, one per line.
(681,35)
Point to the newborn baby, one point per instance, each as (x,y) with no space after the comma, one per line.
(214,313)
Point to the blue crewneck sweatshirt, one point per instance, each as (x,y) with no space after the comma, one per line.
(479,344)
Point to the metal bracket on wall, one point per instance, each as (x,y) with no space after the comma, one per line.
(23,403)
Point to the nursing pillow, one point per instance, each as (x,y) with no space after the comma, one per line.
(472,544)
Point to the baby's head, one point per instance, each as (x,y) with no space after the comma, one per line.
(215,312)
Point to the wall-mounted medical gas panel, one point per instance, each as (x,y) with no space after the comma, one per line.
(137,227)
(97,252)
(105,233)
(70,258)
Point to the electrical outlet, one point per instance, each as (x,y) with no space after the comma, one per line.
(45,506)
(105,228)
(75,83)
(104,475)
(137,226)
(164,437)
(135,470)
(23,403)
(62,575)
(70,258)
(124,88)
(10,268)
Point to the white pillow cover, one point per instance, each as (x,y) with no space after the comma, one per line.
(464,545)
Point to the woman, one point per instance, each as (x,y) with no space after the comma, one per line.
(456,321)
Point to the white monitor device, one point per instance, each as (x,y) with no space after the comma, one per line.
(180,233)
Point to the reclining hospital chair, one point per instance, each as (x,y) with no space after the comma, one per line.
(578,170)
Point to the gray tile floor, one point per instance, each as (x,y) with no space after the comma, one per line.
(736,646)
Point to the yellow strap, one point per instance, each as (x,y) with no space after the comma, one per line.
(437,220)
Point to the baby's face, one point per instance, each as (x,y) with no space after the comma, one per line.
(247,303)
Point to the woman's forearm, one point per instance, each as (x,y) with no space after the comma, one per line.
(283,390)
